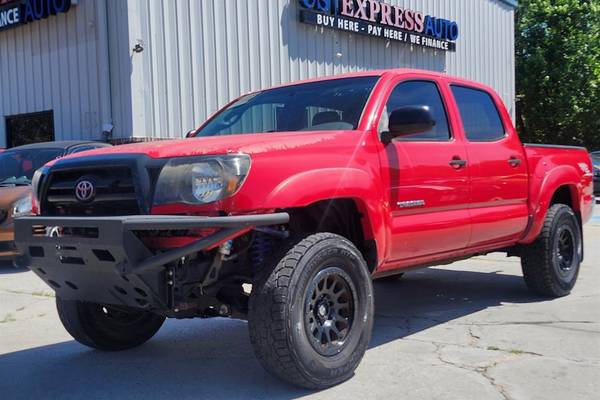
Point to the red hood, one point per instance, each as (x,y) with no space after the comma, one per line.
(249,144)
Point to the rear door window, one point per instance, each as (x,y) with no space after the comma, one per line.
(480,116)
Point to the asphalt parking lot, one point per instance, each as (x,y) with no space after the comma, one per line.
(467,331)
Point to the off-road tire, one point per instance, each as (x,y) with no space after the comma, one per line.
(541,262)
(90,325)
(279,312)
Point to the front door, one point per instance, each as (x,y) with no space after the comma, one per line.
(429,180)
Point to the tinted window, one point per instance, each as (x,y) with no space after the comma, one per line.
(480,117)
(418,93)
(17,166)
(596,159)
(30,128)
(319,106)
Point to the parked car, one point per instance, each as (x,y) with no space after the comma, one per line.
(596,161)
(289,201)
(17,167)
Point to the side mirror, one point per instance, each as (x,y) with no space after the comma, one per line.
(410,120)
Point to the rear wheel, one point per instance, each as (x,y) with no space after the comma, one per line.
(108,328)
(311,316)
(551,264)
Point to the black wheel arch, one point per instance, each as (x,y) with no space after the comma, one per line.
(341,216)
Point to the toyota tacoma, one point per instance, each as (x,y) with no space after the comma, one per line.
(284,206)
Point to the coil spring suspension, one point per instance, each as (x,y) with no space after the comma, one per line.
(262,246)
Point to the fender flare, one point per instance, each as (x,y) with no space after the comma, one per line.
(306,188)
(542,190)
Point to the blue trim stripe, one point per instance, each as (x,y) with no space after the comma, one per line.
(514,3)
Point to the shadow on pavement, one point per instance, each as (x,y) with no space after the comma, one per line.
(214,359)
(431,297)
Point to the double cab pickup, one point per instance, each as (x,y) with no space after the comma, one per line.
(284,206)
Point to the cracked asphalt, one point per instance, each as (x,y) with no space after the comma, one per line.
(470,330)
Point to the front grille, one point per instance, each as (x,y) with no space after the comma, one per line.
(115,192)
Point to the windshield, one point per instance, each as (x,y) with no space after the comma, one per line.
(318,106)
(17,166)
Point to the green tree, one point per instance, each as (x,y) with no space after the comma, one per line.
(558,71)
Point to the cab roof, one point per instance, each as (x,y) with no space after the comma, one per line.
(384,72)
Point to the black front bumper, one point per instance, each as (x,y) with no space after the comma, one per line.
(103,261)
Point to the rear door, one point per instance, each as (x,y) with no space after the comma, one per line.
(499,180)
(428,178)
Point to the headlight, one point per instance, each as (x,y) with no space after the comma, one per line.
(201,180)
(35,182)
(22,207)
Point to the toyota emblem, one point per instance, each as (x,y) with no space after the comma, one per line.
(85,191)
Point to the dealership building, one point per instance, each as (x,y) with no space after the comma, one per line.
(125,70)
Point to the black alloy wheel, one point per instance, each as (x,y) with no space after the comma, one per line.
(566,251)
(329,310)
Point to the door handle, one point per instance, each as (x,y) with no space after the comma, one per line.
(514,162)
(458,163)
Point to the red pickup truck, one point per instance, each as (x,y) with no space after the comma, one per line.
(286,203)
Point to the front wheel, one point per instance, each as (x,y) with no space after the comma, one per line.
(108,328)
(311,317)
(551,264)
